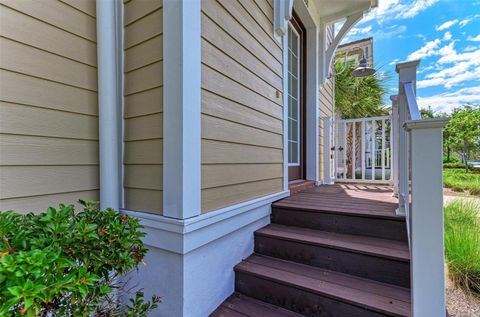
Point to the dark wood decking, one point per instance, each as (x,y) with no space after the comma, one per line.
(360,200)
(337,250)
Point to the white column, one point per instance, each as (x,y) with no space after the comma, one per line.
(427,246)
(182,106)
(312,137)
(327,145)
(109,104)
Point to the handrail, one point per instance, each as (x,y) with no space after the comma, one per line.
(411,101)
(418,177)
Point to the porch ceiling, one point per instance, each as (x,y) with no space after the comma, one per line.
(332,10)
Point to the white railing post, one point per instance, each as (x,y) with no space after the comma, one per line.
(327,146)
(426,219)
(394,144)
(407,72)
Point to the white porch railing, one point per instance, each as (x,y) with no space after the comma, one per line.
(418,154)
(410,149)
(362,150)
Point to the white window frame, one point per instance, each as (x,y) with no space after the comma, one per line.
(299,141)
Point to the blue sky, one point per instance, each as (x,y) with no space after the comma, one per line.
(444,34)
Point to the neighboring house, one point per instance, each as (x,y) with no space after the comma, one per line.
(355,50)
(191,115)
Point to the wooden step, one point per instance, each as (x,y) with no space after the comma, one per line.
(379,224)
(238,305)
(373,258)
(316,292)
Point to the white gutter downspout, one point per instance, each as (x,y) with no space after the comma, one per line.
(108,106)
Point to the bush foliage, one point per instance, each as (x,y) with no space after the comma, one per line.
(68,263)
(462,244)
(459,180)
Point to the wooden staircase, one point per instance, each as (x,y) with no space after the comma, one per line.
(336,251)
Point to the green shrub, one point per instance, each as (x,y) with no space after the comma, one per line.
(462,244)
(457,165)
(67,263)
(452,159)
(459,180)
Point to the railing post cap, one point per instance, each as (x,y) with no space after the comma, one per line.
(393,97)
(405,65)
(425,124)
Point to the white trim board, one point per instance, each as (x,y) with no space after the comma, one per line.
(182,108)
(184,236)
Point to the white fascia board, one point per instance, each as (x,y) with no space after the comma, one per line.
(182,108)
(184,236)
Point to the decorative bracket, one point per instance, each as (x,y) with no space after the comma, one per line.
(282,14)
(349,23)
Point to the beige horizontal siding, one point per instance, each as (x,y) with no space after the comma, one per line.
(214,198)
(58,14)
(48,104)
(41,203)
(143,152)
(39,150)
(46,37)
(24,59)
(242,103)
(25,181)
(86,6)
(24,89)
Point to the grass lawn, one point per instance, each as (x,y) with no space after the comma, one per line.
(462,243)
(459,180)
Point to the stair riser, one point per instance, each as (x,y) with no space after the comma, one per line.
(345,224)
(376,268)
(297,300)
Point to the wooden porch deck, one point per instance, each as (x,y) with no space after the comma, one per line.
(373,200)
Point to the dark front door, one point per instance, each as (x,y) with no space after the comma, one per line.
(296,100)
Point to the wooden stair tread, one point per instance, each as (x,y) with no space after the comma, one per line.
(238,305)
(345,209)
(391,249)
(374,296)
(362,284)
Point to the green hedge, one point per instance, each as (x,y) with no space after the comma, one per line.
(67,263)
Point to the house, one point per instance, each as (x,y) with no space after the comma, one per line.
(195,116)
(355,50)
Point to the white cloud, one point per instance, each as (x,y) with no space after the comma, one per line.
(453,68)
(474,39)
(447,36)
(429,49)
(471,48)
(397,9)
(446,25)
(359,31)
(464,22)
(395,61)
(445,102)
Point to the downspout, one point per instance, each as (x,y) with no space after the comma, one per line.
(109,107)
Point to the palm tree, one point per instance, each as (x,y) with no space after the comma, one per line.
(358,97)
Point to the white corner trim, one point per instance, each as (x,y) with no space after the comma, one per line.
(183,236)
(285,112)
(181,109)
(282,14)
(109,104)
